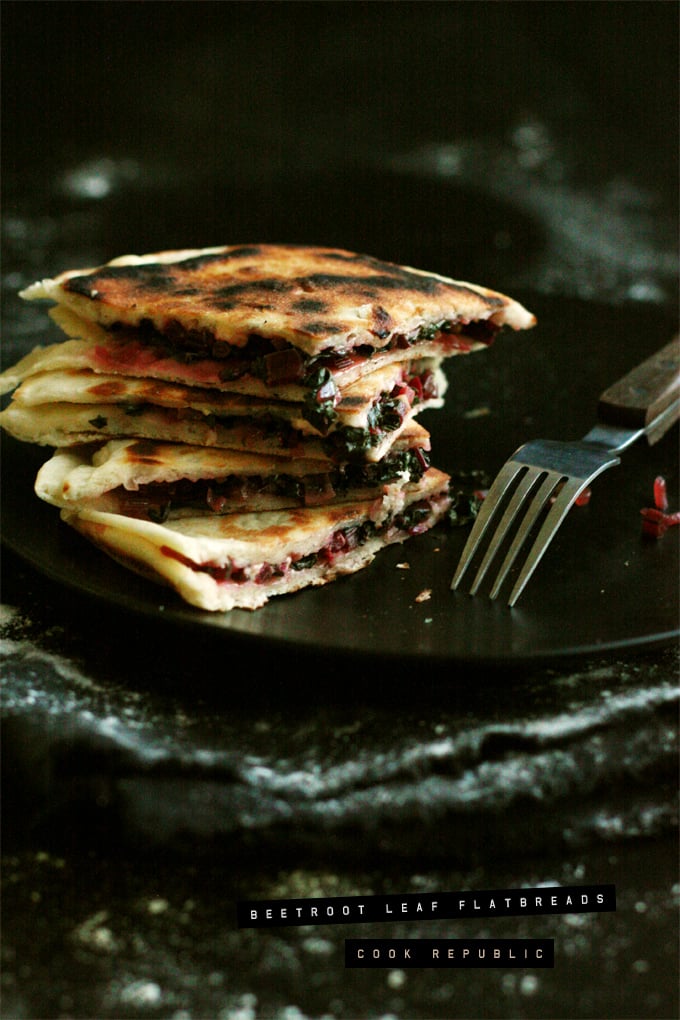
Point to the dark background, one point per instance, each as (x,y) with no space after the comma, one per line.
(152,777)
(298,121)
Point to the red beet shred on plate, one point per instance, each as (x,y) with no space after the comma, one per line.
(656,520)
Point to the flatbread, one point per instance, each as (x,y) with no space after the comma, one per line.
(278,384)
(352,410)
(243,560)
(312,298)
(90,347)
(162,481)
(64,408)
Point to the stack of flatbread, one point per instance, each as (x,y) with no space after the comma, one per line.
(240,422)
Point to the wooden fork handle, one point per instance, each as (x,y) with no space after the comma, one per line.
(645,392)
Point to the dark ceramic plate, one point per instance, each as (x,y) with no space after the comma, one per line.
(600,586)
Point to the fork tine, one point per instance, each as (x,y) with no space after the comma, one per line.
(568,494)
(503,480)
(519,497)
(541,497)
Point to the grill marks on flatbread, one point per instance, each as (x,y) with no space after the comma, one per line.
(239,422)
(313,298)
(345,347)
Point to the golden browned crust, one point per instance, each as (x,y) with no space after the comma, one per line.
(313,297)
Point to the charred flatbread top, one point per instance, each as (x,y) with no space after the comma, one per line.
(313,298)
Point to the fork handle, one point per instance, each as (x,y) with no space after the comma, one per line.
(645,392)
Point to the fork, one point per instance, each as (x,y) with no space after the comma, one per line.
(536,487)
